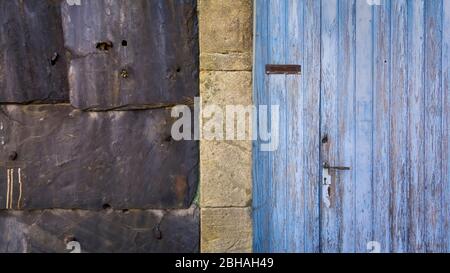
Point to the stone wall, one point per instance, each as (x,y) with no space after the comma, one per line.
(87,159)
(225,33)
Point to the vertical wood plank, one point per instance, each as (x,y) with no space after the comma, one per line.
(277,87)
(311,114)
(399,127)
(345,102)
(446,121)
(416,134)
(363,122)
(295,126)
(330,233)
(283,223)
(261,169)
(382,112)
(433,126)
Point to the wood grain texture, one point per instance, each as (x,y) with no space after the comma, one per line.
(124,159)
(434,240)
(398,127)
(416,125)
(363,134)
(446,119)
(311,125)
(129,53)
(346,123)
(33,65)
(277,86)
(145,231)
(295,102)
(261,201)
(286,197)
(381,130)
(330,217)
(382,77)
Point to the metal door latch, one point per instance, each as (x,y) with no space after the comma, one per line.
(326,182)
(326,187)
(337,168)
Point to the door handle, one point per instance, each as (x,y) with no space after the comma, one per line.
(326,182)
(337,168)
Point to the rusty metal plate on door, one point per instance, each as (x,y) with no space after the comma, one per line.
(283,69)
(54,156)
(130,53)
(33,64)
(65,231)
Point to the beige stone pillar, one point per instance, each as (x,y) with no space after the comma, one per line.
(226,32)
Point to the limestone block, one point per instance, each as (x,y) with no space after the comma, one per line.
(225,26)
(226,230)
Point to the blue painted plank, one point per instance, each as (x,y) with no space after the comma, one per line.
(295,226)
(416,125)
(261,171)
(345,138)
(384,102)
(330,218)
(381,96)
(446,119)
(311,119)
(399,127)
(433,126)
(277,86)
(363,126)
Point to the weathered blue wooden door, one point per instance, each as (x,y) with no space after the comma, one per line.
(363,157)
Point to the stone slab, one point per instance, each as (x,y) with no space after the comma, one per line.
(128,53)
(33,65)
(54,156)
(50,231)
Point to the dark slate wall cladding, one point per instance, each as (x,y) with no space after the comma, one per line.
(32,56)
(131,52)
(92,176)
(68,158)
(108,231)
